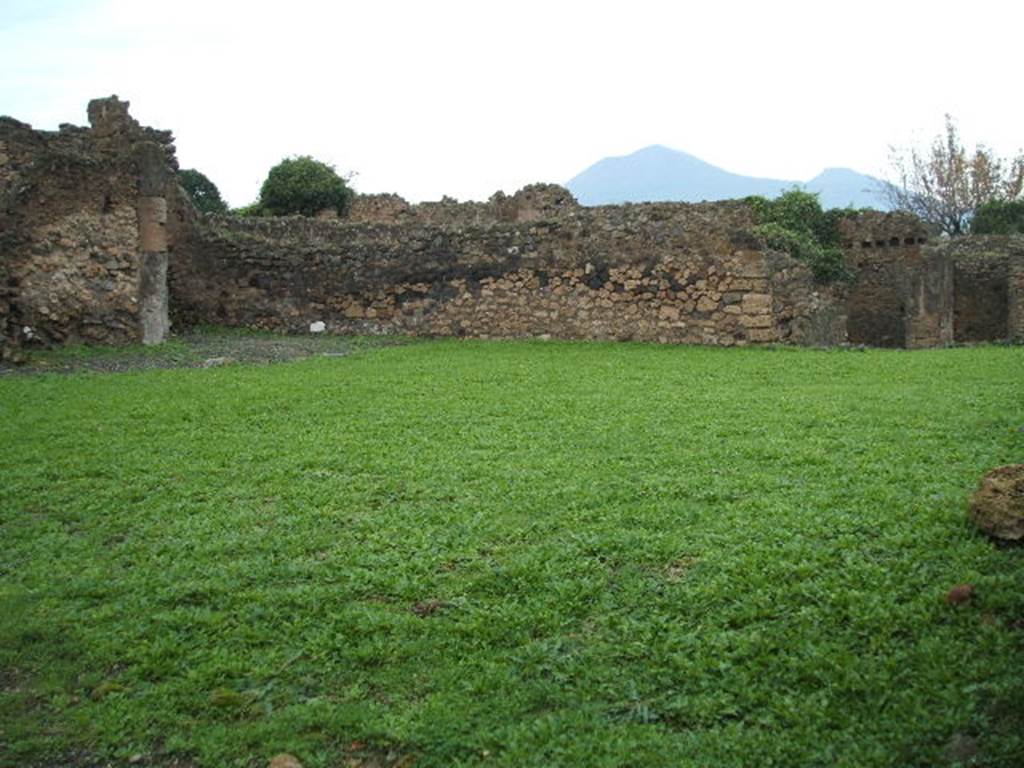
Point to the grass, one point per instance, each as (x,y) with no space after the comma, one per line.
(512,554)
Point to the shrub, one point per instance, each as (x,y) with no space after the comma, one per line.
(302,185)
(999,217)
(826,261)
(250,210)
(795,223)
(204,193)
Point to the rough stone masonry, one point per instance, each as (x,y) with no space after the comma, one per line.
(99,244)
(542,266)
(83,251)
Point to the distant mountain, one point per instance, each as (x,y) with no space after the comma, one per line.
(658,173)
(840,187)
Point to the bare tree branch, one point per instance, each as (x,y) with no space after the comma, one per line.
(947,183)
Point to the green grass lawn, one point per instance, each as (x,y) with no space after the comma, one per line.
(514,554)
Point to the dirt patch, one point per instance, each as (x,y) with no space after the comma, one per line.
(197,349)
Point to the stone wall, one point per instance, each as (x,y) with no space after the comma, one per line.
(901,291)
(987,292)
(75,207)
(98,244)
(660,272)
(1015,299)
(876,306)
(890,233)
(531,203)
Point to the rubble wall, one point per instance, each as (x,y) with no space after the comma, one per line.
(98,244)
(71,214)
(987,291)
(660,272)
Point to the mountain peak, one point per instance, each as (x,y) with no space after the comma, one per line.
(660,173)
(658,148)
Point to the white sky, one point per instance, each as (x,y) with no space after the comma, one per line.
(463,98)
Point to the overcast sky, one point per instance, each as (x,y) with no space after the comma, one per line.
(465,98)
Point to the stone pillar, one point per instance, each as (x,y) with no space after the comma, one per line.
(928,302)
(151,206)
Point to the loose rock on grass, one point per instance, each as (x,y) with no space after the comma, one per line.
(997,507)
(960,594)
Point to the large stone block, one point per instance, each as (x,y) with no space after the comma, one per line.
(757,321)
(762,335)
(751,264)
(754,303)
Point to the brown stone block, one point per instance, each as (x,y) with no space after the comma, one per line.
(757,302)
(757,321)
(354,311)
(751,264)
(668,312)
(762,334)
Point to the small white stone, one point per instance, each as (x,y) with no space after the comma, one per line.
(28,332)
(318,327)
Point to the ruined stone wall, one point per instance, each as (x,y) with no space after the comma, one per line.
(531,203)
(72,228)
(876,307)
(901,292)
(93,229)
(1015,300)
(887,232)
(662,272)
(982,292)
(987,294)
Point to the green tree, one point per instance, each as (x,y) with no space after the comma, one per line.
(999,217)
(204,193)
(946,184)
(302,185)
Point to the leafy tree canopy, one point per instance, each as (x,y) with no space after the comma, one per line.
(204,193)
(303,185)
